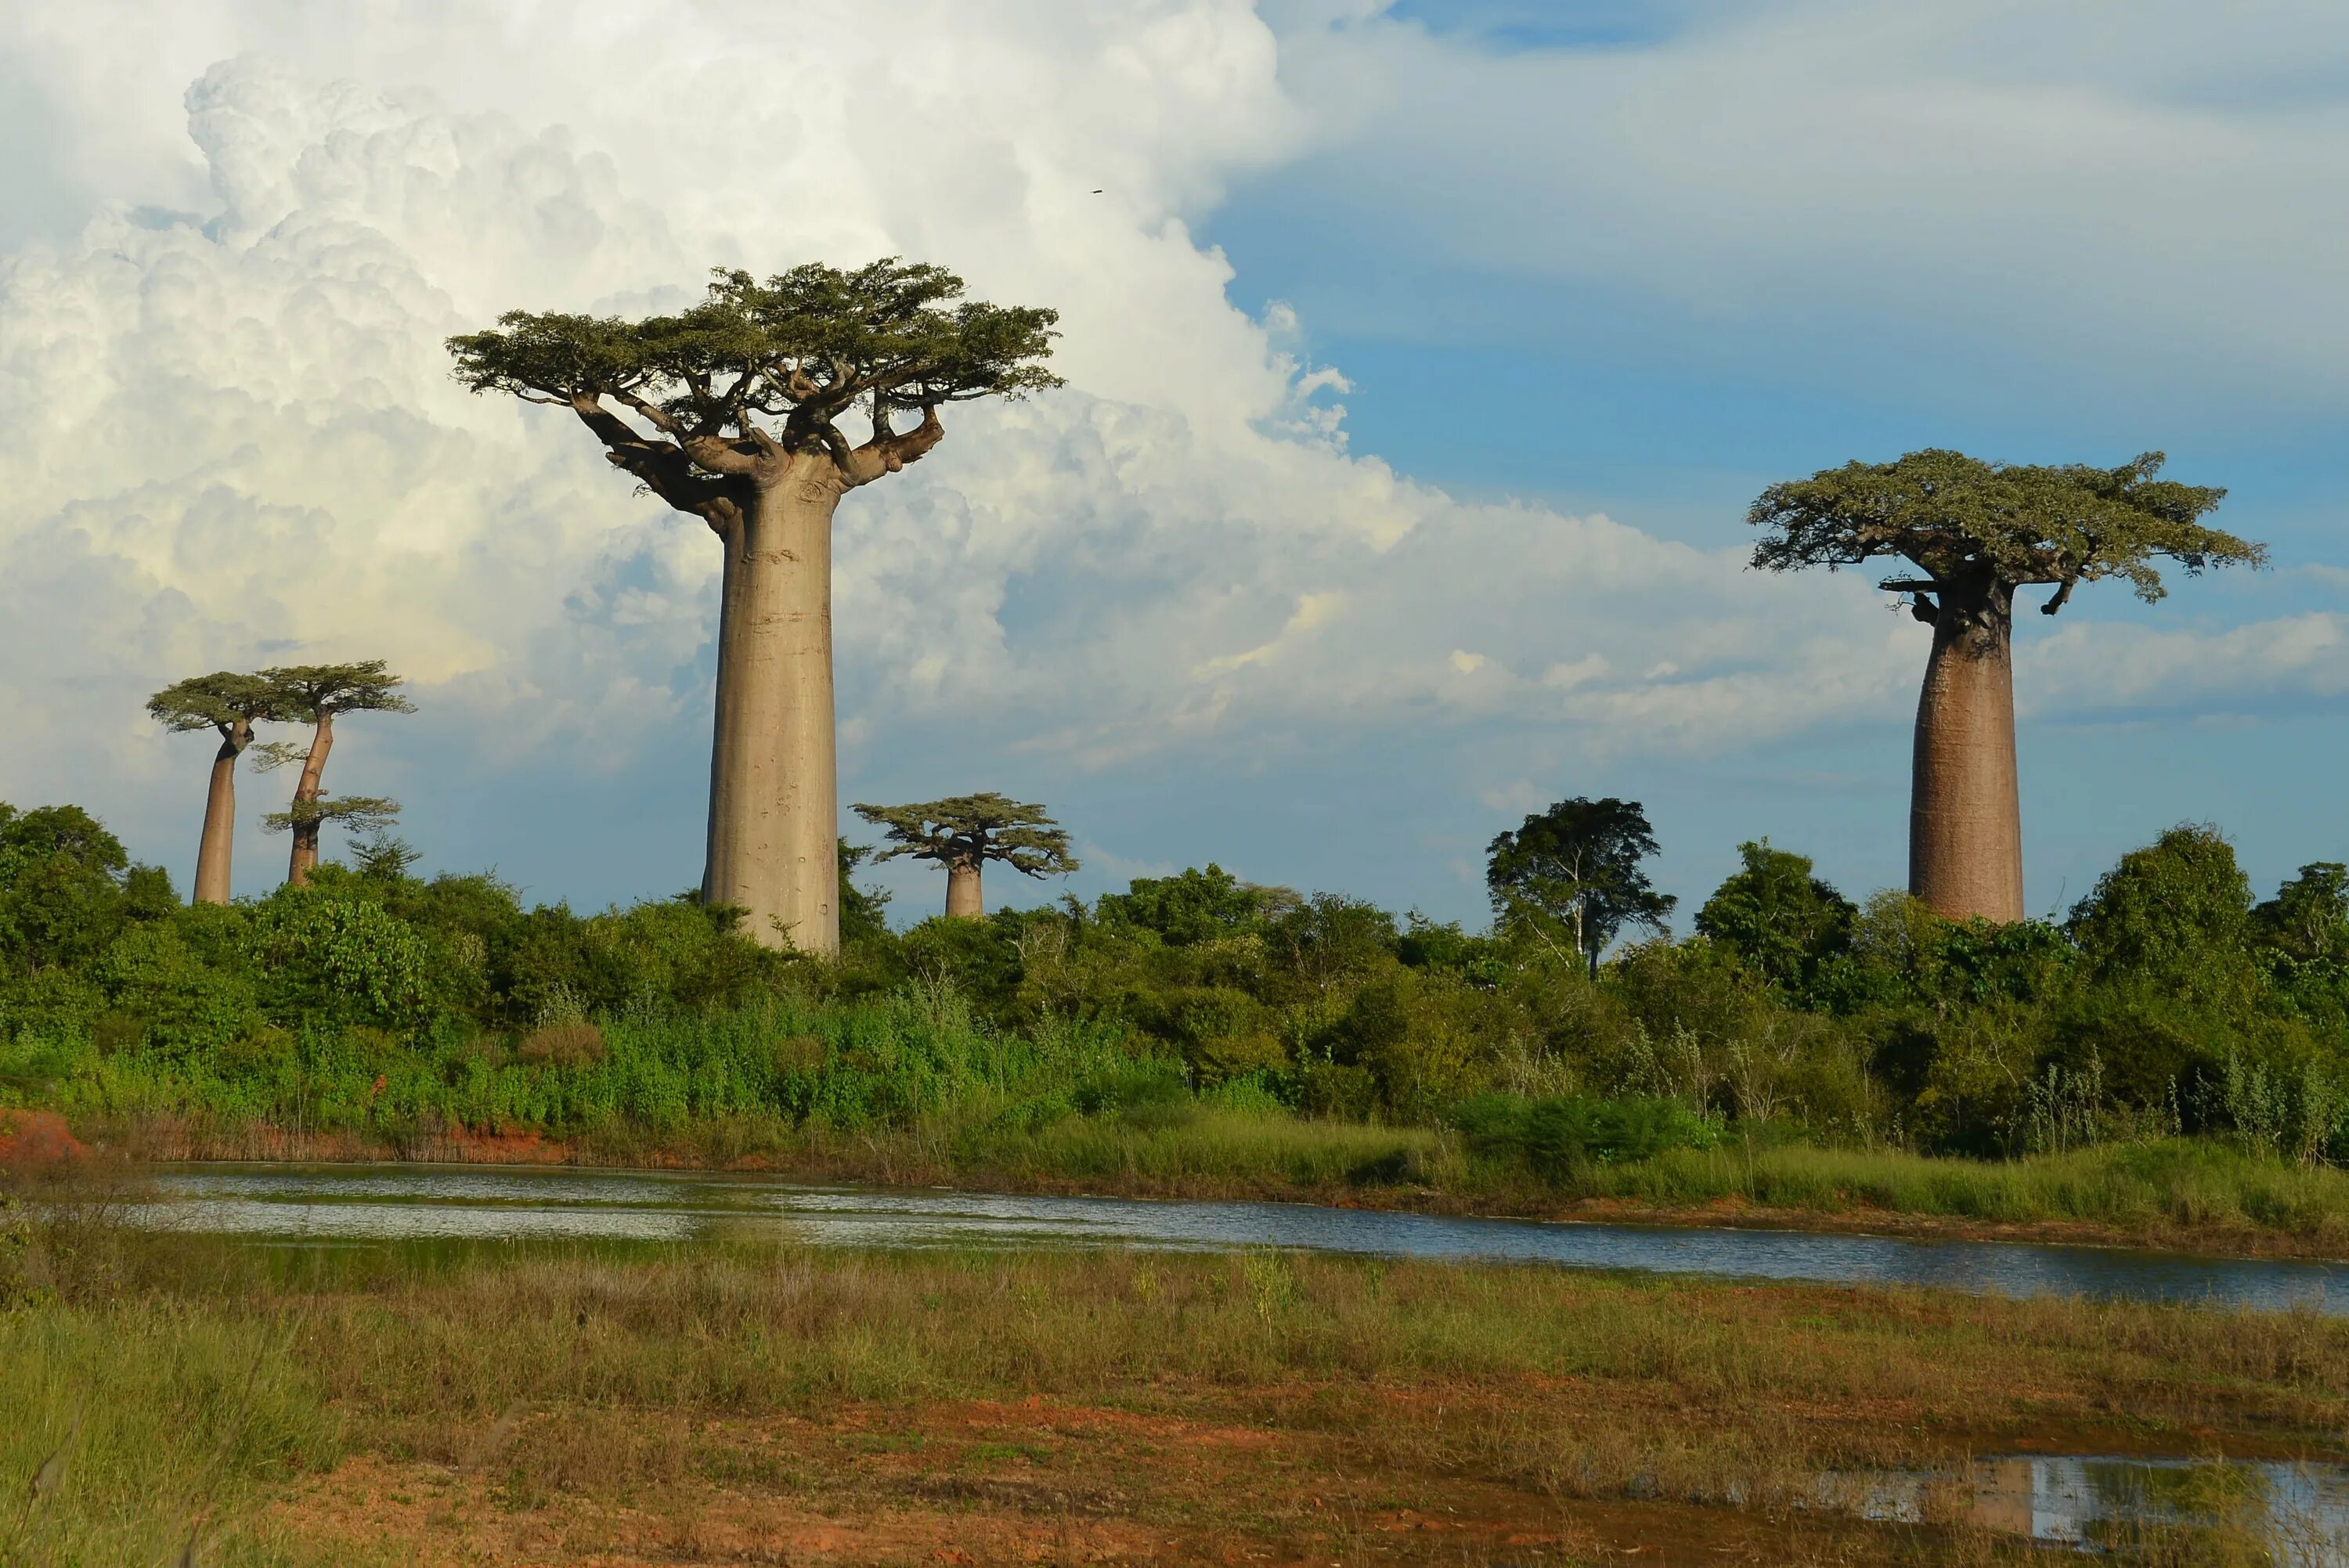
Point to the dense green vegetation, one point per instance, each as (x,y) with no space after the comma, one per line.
(2170,1004)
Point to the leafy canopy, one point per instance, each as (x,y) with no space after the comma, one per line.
(66,888)
(2175,916)
(970,830)
(1579,862)
(306,693)
(1191,907)
(794,352)
(1961,520)
(2308,919)
(1778,917)
(221,700)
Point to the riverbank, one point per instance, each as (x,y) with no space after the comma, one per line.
(2180,1195)
(294,1407)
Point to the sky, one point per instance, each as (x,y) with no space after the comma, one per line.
(1423,356)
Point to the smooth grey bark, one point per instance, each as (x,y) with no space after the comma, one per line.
(963,900)
(214,850)
(718,849)
(1965,807)
(774,795)
(304,858)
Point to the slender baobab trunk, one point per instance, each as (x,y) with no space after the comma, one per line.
(773,797)
(214,850)
(720,852)
(963,900)
(1965,811)
(305,858)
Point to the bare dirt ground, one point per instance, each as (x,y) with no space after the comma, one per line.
(1036,1482)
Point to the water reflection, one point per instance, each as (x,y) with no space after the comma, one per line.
(2297,1515)
(426,1203)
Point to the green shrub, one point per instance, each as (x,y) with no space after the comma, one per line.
(1558,1137)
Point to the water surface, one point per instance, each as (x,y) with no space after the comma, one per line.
(326,1204)
(2297,1512)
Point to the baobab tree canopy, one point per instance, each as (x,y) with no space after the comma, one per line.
(223,701)
(1958,517)
(730,410)
(964,832)
(794,353)
(315,695)
(310,692)
(1979,531)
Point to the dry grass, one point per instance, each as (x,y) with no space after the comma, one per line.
(1124,1405)
(715,1403)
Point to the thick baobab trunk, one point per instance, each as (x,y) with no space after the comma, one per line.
(214,850)
(774,796)
(305,858)
(1965,811)
(963,900)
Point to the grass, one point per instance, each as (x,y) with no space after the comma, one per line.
(686,1405)
(911,1087)
(156,1422)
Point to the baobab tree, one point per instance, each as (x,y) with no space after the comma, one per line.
(1976,532)
(964,833)
(231,704)
(315,695)
(730,410)
(357,814)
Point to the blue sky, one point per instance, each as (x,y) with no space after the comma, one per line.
(1613,259)
(1597,395)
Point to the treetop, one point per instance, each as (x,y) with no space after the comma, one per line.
(969,829)
(1959,519)
(799,349)
(216,701)
(310,691)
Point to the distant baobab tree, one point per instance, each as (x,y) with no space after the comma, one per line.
(313,694)
(1977,531)
(729,410)
(357,814)
(231,704)
(967,831)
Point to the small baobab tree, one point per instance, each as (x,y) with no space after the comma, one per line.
(730,410)
(231,704)
(1976,532)
(358,815)
(316,695)
(967,831)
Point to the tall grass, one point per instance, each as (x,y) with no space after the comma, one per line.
(912,1088)
(873,1062)
(152,1423)
(2177,1185)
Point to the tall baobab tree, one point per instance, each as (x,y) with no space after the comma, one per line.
(315,695)
(964,833)
(1976,532)
(730,410)
(231,704)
